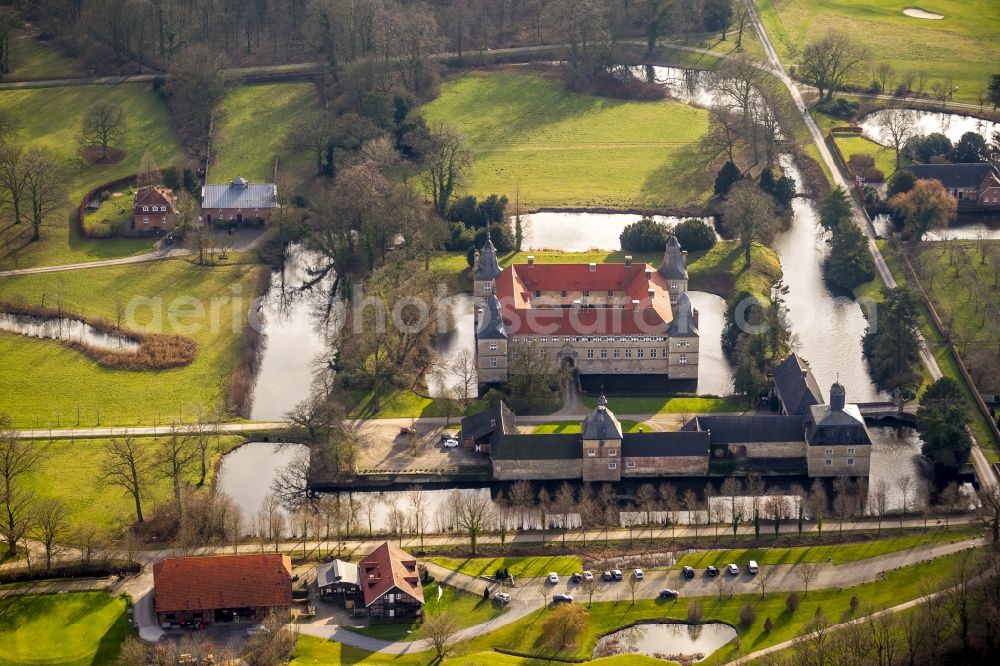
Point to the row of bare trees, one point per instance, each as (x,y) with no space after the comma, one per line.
(31,185)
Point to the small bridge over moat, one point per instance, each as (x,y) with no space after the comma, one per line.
(889,412)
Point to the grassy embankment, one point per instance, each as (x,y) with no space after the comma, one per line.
(962,46)
(525,636)
(77,629)
(519,567)
(563,149)
(31,59)
(464,608)
(935,342)
(252,130)
(51,118)
(46,384)
(71,470)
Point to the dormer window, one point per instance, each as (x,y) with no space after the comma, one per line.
(145,209)
(562,293)
(538,294)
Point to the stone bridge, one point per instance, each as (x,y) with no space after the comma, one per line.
(889,411)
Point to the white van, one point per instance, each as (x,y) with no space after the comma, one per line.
(752,567)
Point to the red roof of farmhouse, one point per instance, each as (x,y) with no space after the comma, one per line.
(226,581)
(517,283)
(388,567)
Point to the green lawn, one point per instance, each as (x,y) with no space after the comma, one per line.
(399,403)
(112,216)
(667,404)
(885,157)
(525,635)
(519,567)
(51,118)
(31,59)
(573,427)
(565,149)
(45,383)
(835,553)
(70,471)
(965,45)
(252,128)
(466,609)
(77,629)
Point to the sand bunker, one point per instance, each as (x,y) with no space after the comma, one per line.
(916,12)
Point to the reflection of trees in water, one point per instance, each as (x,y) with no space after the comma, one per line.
(694,631)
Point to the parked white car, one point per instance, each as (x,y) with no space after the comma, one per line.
(450,443)
(733,570)
(639,575)
(752,567)
(553,578)
(502,598)
(588,576)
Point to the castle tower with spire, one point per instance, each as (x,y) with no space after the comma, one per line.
(601,434)
(487,270)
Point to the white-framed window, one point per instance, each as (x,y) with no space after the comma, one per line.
(850,450)
(488,287)
(617,353)
(829,452)
(493,363)
(612,453)
(591,453)
(145,209)
(639,353)
(652,353)
(493,346)
(850,462)
(538,294)
(828,462)
(586,293)
(163,219)
(628,353)
(683,359)
(673,285)
(543,339)
(590,353)
(612,465)
(604,353)
(630,464)
(145,219)
(563,293)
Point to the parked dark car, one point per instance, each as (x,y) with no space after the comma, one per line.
(607,575)
(689,572)
(561,599)
(667,593)
(577,577)
(617,574)
(713,571)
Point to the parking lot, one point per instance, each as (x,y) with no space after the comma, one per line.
(387,450)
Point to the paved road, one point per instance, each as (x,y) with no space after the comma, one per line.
(983,470)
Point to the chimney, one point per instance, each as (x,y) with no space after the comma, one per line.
(593,267)
(576,304)
(805,373)
(635,305)
(649,274)
(628,261)
(696,319)
(531,261)
(684,258)
(475,261)
(650,292)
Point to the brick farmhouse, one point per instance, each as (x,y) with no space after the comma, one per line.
(238,201)
(975,185)
(197,591)
(153,212)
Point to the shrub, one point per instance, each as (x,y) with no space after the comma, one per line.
(728,176)
(646,235)
(838,108)
(901,182)
(747,615)
(695,613)
(768,624)
(854,602)
(460,237)
(503,239)
(874,176)
(792,602)
(849,262)
(861,161)
(695,235)
(784,190)
(565,625)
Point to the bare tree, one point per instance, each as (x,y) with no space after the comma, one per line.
(884,76)
(763,578)
(748,213)
(312,134)
(877,501)
(174,459)
(731,487)
(418,505)
(43,186)
(104,127)
(725,129)
(522,498)
(806,573)
(829,61)
(896,126)
(633,585)
(291,483)
(448,162)
(473,514)
(645,496)
(949,499)
(18,458)
(13,177)
(464,366)
(565,501)
(904,483)
(440,629)
(691,505)
(368,503)
(742,19)
(127,466)
(51,525)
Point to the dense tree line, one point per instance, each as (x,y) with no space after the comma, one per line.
(849,262)
(648,235)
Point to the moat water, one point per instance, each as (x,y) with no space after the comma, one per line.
(666,641)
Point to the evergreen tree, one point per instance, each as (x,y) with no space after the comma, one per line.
(728,175)
(849,262)
(943,419)
(835,207)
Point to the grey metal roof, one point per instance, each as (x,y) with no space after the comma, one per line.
(601,423)
(796,386)
(556,446)
(489,267)
(955,175)
(672,267)
(683,324)
(337,571)
(240,194)
(491,326)
(665,444)
(826,426)
(749,429)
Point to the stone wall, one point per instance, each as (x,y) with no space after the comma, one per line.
(769,449)
(665,466)
(513,470)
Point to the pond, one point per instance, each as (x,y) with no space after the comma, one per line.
(66,329)
(952,125)
(295,328)
(246,474)
(973,231)
(674,642)
(579,232)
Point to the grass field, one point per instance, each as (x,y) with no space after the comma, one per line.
(70,471)
(965,45)
(525,636)
(44,383)
(466,609)
(400,403)
(51,118)
(519,567)
(574,427)
(564,149)
(835,553)
(31,59)
(885,158)
(252,128)
(668,404)
(77,629)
